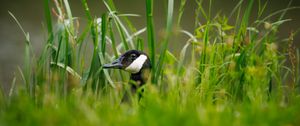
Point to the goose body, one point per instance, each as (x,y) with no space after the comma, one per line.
(135,62)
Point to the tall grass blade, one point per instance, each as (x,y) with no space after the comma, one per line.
(151,38)
(12,88)
(68,69)
(163,51)
(181,10)
(27,67)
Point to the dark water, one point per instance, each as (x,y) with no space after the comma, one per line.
(30,14)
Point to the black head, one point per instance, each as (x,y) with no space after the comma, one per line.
(132,61)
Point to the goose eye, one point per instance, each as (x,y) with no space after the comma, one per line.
(133,57)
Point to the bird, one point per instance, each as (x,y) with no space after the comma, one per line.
(138,64)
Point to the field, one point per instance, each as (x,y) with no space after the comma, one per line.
(227,73)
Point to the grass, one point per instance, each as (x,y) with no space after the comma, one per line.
(233,73)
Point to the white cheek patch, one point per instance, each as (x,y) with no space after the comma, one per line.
(137,64)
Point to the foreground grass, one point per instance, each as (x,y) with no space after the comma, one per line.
(224,75)
(156,110)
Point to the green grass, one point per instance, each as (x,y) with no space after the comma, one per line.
(227,73)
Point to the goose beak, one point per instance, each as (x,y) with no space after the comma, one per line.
(115,64)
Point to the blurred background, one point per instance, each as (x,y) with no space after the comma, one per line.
(30,13)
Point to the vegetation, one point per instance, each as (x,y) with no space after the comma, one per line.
(236,73)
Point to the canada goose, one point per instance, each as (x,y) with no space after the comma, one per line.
(138,64)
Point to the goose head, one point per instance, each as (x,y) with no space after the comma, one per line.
(132,61)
